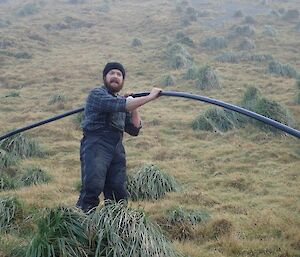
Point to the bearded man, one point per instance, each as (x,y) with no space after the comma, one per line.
(107,116)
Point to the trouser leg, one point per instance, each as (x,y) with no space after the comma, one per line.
(97,155)
(79,202)
(115,185)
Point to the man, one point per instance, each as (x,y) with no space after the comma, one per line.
(107,115)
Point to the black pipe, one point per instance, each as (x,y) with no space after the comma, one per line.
(232,107)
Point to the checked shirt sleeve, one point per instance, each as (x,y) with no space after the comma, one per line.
(101,101)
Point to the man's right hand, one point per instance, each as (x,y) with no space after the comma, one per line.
(155,93)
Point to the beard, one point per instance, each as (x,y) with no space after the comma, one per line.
(114,85)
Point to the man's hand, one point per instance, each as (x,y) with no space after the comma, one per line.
(128,94)
(154,93)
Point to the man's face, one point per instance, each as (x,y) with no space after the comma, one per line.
(114,80)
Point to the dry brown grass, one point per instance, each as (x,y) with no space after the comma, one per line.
(246,179)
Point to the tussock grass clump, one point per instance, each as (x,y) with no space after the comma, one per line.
(60,232)
(117,230)
(190,15)
(5,43)
(182,215)
(254,101)
(6,181)
(191,73)
(292,14)
(251,96)
(273,110)
(269,31)
(298,83)
(242,31)
(238,14)
(178,56)
(247,44)
(4,23)
(34,176)
(136,42)
(7,159)
(257,57)
(216,119)
(214,43)
(57,99)
(28,9)
(150,183)
(232,57)
(182,38)
(10,211)
(76,1)
(180,222)
(21,146)
(297,27)
(297,98)
(18,55)
(249,20)
(113,230)
(285,70)
(219,228)
(104,8)
(168,80)
(76,23)
(207,78)
(13,94)
(229,57)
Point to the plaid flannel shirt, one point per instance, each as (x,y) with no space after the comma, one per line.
(105,110)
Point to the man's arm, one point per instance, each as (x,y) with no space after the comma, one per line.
(134,103)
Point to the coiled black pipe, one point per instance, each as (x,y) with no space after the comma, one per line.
(232,107)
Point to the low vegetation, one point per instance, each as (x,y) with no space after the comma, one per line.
(21,146)
(246,45)
(150,183)
(10,212)
(168,80)
(233,57)
(113,230)
(178,56)
(207,78)
(214,43)
(242,31)
(217,119)
(285,70)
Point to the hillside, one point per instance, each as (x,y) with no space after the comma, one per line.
(245,178)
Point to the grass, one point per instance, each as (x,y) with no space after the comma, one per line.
(20,146)
(217,119)
(34,176)
(207,78)
(168,80)
(214,43)
(136,42)
(121,231)
(285,70)
(113,230)
(178,56)
(7,182)
(150,183)
(10,211)
(60,232)
(259,218)
(7,159)
(183,215)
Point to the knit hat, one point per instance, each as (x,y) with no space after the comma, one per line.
(113,65)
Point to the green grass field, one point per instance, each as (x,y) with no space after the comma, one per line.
(246,180)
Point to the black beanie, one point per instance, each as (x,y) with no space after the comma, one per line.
(113,65)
